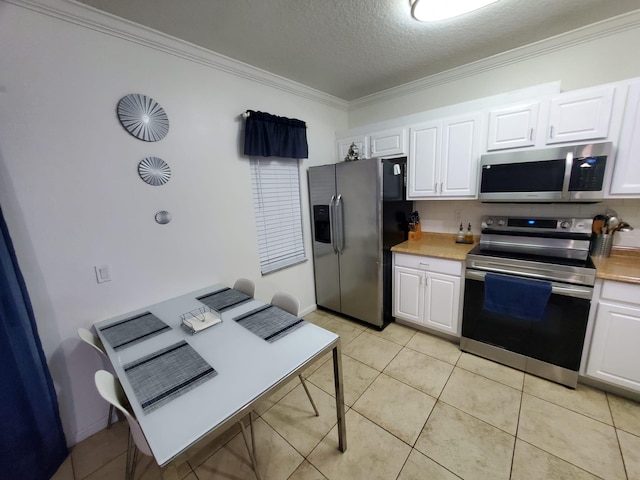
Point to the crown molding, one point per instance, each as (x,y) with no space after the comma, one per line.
(604,28)
(88,17)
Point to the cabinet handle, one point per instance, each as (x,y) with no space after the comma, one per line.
(531,135)
(435,187)
(551,131)
(441,186)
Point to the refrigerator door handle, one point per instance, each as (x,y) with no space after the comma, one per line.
(332,223)
(340,223)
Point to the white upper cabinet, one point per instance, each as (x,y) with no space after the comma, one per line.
(580,115)
(361,141)
(388,143)
(443,158)
(513,126)
(424,160)
(626,173)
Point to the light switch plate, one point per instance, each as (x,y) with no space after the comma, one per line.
(102,273)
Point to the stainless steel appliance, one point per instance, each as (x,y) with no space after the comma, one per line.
(358,212)
(562,174)
(534,253)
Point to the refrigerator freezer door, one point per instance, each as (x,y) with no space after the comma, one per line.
(359,187)
(322,193)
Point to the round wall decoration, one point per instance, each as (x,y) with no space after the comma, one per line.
(163,217)
(154,171)
(143,117)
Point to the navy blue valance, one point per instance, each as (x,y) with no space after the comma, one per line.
(267,135)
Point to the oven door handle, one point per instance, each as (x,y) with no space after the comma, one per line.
(576,291)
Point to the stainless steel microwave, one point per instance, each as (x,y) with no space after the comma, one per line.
(561,174)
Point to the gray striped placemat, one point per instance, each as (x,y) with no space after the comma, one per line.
(223,299)
(269,322)
(128,332)
(166,374)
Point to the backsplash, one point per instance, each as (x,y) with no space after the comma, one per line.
(441,216)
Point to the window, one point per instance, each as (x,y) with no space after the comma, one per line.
(276,201)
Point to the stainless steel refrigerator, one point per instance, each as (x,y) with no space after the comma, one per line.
(358,212)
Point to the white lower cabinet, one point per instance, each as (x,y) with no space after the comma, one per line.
(614,356)
(426,291)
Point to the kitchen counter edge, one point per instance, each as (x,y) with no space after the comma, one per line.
(622,266)
(439,245)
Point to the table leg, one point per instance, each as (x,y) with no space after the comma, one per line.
(337,376)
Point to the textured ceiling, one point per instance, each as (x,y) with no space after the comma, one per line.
(353,48)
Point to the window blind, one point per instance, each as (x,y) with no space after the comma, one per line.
(276,201)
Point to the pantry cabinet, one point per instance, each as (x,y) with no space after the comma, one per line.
(614,355)
(514,126)
(443,158)
(580,115)
(427,292)
(626,173)
(389,143)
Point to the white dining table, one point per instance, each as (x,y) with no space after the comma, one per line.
(248,369)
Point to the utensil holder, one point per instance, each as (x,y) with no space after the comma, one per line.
(601,245)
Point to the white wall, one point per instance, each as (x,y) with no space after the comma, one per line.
(72,197)
(441,215)
(594,55)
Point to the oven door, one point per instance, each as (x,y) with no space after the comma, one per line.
(557,338)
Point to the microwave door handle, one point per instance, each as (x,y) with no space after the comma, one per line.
(565,195)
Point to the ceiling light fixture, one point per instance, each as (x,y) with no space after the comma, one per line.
(434,10)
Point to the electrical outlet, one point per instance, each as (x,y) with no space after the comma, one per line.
(457,215)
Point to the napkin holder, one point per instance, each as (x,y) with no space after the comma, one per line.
(199,319)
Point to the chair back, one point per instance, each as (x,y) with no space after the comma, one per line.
(110,389)
(286,302)
(90,339)
(245,286)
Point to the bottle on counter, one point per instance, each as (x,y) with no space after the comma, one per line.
(460,238)
(468,236)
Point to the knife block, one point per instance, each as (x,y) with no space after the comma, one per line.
(415,231)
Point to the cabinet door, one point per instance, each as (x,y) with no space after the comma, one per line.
(626,173)
(614,355)
(361,141)
(580,115)
(424,157)
(407,293)
(388,143)
(442,302)
(460,155)
(513,126)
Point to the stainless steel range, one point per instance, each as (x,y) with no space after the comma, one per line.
(528,289)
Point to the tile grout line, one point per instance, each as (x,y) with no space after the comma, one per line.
(615,429)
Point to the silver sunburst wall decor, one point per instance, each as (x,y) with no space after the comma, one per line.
(143,117)
(154,171)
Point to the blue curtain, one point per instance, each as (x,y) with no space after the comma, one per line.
(32,442)
(267,135)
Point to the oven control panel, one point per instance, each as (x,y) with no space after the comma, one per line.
(536,224)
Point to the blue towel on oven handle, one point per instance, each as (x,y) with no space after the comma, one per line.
(518,297)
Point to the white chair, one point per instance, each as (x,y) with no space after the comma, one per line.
(245,286)
(110,389)
(93,341)
(290,304)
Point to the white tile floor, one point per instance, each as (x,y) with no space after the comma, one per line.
(417,408)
